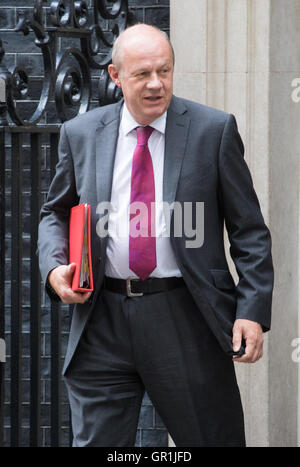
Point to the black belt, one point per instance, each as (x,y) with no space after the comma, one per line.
(135,287)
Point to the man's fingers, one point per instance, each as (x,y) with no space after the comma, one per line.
(253,336)
(68,296)
(83,296)
(61,277)
(61,280)
(248,356)
(253,352)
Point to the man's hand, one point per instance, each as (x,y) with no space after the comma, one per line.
(60,279)
(253,336)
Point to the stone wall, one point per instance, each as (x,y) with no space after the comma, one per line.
(243,56)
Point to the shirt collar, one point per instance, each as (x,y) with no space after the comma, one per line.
(128,123)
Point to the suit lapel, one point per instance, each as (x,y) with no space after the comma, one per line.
(106,143)
(177,127)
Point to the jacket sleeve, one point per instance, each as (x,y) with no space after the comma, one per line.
(53,238)
(250,241)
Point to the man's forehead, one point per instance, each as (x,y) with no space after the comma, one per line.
(146,52)
(137,45)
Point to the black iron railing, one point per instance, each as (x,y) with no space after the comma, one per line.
(67,85)
(67,70)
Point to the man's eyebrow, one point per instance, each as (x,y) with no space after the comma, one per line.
(140,68)
(146,67)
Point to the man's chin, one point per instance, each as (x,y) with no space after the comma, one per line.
(154,113)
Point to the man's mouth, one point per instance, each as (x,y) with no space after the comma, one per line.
(154,99)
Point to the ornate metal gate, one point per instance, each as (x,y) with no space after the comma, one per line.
(74,79)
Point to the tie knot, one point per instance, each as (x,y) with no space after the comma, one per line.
(143,134)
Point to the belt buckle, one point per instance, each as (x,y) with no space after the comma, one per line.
(128,287)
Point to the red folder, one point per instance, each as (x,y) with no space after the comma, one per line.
(79,245)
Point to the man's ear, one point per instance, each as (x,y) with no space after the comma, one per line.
(114,74)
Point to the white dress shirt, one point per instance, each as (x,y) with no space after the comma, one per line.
(117,262)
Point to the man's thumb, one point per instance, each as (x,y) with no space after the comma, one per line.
(71,269)
(237,339)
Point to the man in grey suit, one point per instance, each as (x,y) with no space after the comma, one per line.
(165,315)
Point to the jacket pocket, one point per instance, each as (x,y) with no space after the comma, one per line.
(222,279)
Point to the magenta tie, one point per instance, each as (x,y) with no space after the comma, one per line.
(142,245)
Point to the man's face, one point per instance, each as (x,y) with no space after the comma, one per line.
(145,75)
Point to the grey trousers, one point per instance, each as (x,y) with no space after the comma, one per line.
(158,343)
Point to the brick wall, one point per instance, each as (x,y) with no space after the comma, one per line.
(22,51)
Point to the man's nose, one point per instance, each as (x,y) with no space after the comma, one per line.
(154,82)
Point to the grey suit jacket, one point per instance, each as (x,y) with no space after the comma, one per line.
(203,163)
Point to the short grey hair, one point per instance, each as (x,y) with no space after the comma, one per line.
(116,50)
